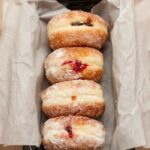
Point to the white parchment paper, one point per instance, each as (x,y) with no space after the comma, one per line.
(131,72)
(19,109)
(1,11)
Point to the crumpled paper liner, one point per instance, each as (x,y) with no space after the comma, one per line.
(131,72)
(1,10)
(20,75)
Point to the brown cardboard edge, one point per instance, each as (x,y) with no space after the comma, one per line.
(10,147)
(140,148)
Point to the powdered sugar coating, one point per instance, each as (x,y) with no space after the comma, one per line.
(77,97)
(87,133)
(89,61)
(62,33)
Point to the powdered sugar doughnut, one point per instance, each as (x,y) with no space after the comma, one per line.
(77,28)
(76,97)
(74,63)
(73,133)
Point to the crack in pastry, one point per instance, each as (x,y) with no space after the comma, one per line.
(76,65)
(77,23)
(69,130)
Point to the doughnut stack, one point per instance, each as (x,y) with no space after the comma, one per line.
(75,99)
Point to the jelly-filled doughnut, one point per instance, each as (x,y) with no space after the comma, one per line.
(74,63)
(77,28)
(76,97)
(73,133)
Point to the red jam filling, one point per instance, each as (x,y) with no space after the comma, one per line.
(73,98)
(69,130)
(76,65)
